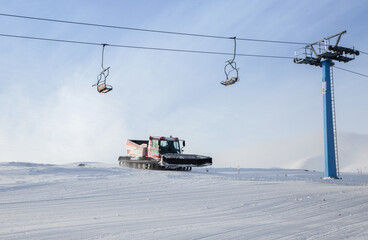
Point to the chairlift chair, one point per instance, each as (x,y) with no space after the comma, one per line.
(102,87)
(231,63)
(230,81)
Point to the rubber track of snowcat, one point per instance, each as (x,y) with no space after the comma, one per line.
(147,163)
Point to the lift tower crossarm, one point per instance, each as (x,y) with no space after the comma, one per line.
(318,51)
(338,35)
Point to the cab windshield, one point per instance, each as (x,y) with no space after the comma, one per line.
(169,147)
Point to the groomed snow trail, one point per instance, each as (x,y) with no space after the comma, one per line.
(108,202)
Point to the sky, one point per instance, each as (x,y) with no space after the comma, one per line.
(271,118)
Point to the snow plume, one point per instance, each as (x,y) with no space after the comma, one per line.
(290,153)
(353,152)
(302,152)
(73,123)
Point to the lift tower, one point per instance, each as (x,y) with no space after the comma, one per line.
(322,54)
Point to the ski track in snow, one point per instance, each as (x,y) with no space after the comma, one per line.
(41,201)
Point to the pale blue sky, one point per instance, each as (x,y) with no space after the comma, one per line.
(52,114)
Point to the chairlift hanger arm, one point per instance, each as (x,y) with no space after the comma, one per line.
(103,50)
(234,50)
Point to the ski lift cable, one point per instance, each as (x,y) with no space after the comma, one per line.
(142,47)
(148,30)
(161,49)
(351,71)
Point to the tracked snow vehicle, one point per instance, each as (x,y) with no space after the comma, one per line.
(161,153)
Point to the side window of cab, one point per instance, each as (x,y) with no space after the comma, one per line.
(155,146)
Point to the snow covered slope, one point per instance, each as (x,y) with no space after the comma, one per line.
(108,202)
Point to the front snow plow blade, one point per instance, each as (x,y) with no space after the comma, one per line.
(185,160)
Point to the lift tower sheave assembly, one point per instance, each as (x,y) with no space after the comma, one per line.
(322,54)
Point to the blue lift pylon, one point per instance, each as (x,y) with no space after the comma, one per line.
(321,53)
(328,122)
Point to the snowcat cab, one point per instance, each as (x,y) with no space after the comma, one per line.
(159,146)
(169,147)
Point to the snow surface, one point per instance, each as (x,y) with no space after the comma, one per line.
(99,201)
